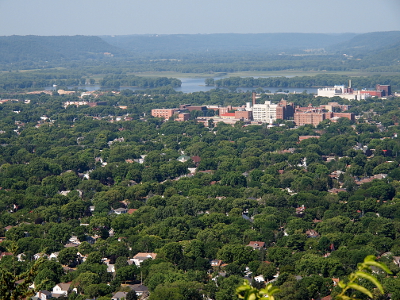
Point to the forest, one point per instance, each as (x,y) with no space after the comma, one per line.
(116,182)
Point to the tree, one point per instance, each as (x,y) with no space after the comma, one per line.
(172,252)
(131,295)
(68,256)
(236,253)
(247,292)
(86,279)
(126,273)
(363,272)
(268,270)
(10,290)
(98,290)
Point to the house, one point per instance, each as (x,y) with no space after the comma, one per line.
(21,257)
(5,254)
(216,263)
(141,257)
(54,256)
(39,255)
(110,267)
(131,210)
(120,210)
(43,295)
(183,158)
(300,210)
(140,290)
(311,233)
(74,239)
(196,159)
(335,281)
(62,289)
(336,190)
(91,239)
(396,260)
(259,278)
(119,296)
(256,245)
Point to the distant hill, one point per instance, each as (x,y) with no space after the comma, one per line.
(49,48)
(367,42)
(195,43)
(376,51)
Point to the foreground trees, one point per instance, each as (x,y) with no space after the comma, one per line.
(83,179)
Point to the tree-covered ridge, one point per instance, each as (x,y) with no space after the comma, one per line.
(14,49)
(251,184)
(200,43)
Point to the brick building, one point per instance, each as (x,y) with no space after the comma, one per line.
(165,113)
(315,115)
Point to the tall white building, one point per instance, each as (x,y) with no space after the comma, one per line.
(265,113)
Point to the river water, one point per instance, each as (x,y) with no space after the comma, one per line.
(191,85)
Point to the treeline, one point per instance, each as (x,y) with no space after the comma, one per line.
(142,82)
(307,81)
(15,81)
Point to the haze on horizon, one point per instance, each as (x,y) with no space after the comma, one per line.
(125,17)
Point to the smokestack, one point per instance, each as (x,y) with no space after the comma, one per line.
(349,83)
(254,98)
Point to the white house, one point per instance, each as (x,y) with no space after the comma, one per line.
(43,295)
(120,210)
(141,257)
(54,256)
(62,289)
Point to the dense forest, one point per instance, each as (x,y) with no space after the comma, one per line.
(195,195)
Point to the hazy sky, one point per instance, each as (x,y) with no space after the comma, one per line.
(120,17)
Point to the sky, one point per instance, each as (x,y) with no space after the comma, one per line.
(124,17)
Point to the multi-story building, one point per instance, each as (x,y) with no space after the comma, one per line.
(284,110)
(165,113)
(243,114)
(351,94)
(265,113)
(183,117)
(386,89)
(310,116)
(315,115)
